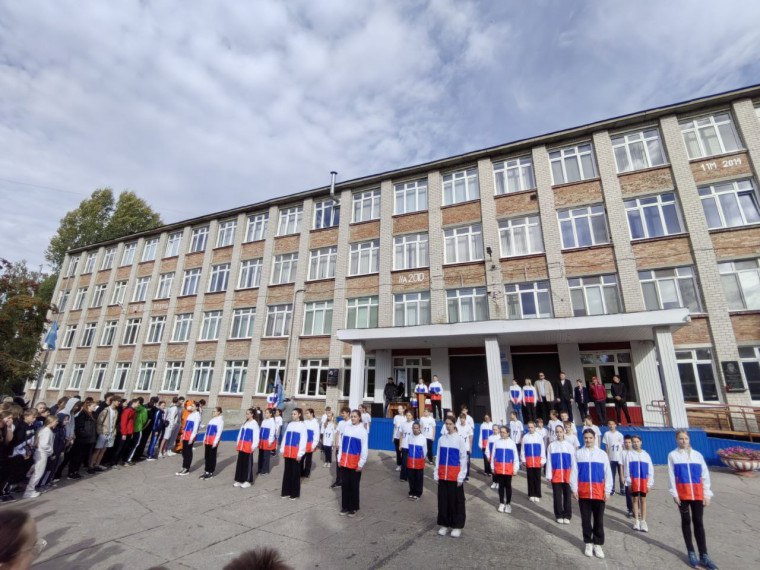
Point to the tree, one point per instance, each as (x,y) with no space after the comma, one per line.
(131,215)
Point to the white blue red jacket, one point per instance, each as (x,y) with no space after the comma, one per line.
(451,459)
(418,389)
(294,441)
(594,480)
(639,471)
(516,394)
(267,435)
(248,437)
(504,457)
(486,430)
(352,453)
(561,466)
(533,452)
(529,395)
(312,434)
(493,438)
(272,401)
(688,477)
(417,450)
(214,431)
(192,424)
(436,391)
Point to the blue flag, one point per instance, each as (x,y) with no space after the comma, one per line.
(278,390)
(52,336)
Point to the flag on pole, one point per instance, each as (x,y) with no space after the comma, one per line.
(52,337)
(278,390)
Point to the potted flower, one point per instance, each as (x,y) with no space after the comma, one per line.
(742,460)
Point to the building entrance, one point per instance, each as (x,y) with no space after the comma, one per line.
(469,385)
(529,365)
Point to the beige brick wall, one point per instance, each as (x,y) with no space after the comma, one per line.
(84,280)
(733,244)
(460,214)
(237,349)
(314,347)
(169,265)
(590,261)
(746,327)
(649,181)
(286,244)
(205,350)
(245,298)
(511,205)
(365,230)
(319,290)
(524,269)
(465,275)
(273,348)
(252,250)
(663,252)
(149,352)
(696,332)
(578,194)
(410,280)
(362,285)
(222,255)
(176,351)
(409,223)
(723,167)
(102,277)
(323,238)
(145,268)
(280,294)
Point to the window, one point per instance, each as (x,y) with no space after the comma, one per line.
(141,289)
(269,371)
(278,320)
(68,336)
(190,281)
(410,251)
(572,163)
(79,298)
(514,175)
(460,186)
(410,197)
(203,371)
(467,305)
(220,275)
(108,257)
(198,239)
(75,382)
(521,236)
(741,283)
(411,309)
(284,268)
(317,319)
(653,216)
(63,300)
(149,249)
(290,221)
(695,367)
(128,254)
(670,289)
(88,335)
(109,333)
(119,289)
(369,378)
(98,376)
(145,376)
(73,264)
(326,214)
(58,371)
(583,227)
(365,258)
(235,372)
(120,376)
(172,244)
(641,149)
(528,300)
(155,330)
(362,313)
(750,358)
(165,281)
(89,265)
(182,325)
(596,295)
(256,228)
(605,365)
(131,330)
(366,206)
(312,378)
(709,135)
(210,326)
(463,244)
(322,262)
(172,376)
(98,296)
(250,274)
(730,204)
(226,233)
(242,322)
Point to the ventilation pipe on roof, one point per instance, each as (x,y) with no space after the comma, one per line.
(333,174)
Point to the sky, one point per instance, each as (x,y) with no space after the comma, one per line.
(199,107)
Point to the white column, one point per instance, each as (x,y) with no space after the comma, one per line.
(356,390)
(383,371)
(671,381)
(647,378)
(495,384)
(570,363)
(439,358)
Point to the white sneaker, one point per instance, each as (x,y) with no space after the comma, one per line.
(170,454)
(151,459)
(637,525)
(532,499)
(443,531)
(456,532)
(644,527)
(398,467)
(245,485)
(236,484)
(31,494)
(598,552)
(501,508)
(589,550)
(508,509)
(537,499)
(560,521)
(494,485)
(565,521)
(183,472)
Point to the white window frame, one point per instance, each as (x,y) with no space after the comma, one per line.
(219,278)
(514,175)
(370,369)
(466,299)
(145,376)
(700,363)
(243,320)
(593,217)
(225,234)
(79,299)
(521,236)
(128,254)
(68,336)
(250,273)
(109,333)
(77,375)
(695,134)
(164,289)
(210,326)
(326,214)
(365,206)
(364,258)
(120,376)
(739,195)
(279,320)
(198,239)
(362,312)
(517,295)
(639,149)
(582,155)
(743,276)
(268,370)
(669,283)
(415,304)
(461,186)
(600,286)
(284,268)
(256,227)
(173,243)
(317,318)
(131,332)
(411,196)
(183,324)
(750,358)
(98,295)
(658,208)
(58,371)
(108,256)
(172,377)
(88,335)
(469,237)
(203,375)
(63,299)
(190,281)
(235,375)
(312,377)
(89,264)
(73,265)
(156,330)
(98,376)
(140,292)
(411,251)
(289,220)
(119,290)
(149,249)
(322,263)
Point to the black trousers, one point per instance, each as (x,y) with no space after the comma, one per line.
(187,454)
(264,456)
(327,453)
(691,512)
(529,412)
(404,470)
(397,446)
(123,447)
(430,450)
(244,467)
(543,409)
(583,409)
(306,464)
(144,440)
(451,510)
(534,481)
(80,453)
(621,405)
(338,471)
(601,411)
(567,406)
(593,530)
(505,488)
(291,478)
(349,489)
(486,465)
(437,410)
(562,506)
(210,457)
(64,461)
(416,477)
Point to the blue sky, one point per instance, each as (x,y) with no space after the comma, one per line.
(198,108)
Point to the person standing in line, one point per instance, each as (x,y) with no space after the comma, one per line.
(639,478)
(366,418)
(312,439)
(141,420)
(406,433)
(565,396)
(554,421)
(470,421)
(272,401)
(189,433)
(267,441)
(436,394)
(398,419)
(172,427)
(529,401)
(127,429)
(415,461)
(598,394)
(561,471)
(328,439)
(627,449)
(620,396)
(486,429)
(689,485)
(278,424)
(427,423)
(591,489)
(516,398)
(450,472)
(106,429)
(59,444)
(247,441)
(157,427)
(352,455)
(533,456)
(293,449)
(571,434)
(505,463)
(43,450)
(613,444)
(588,423)
(488,451)
(389,394)
(581,398)
(328,410)
(516,430)
(545,396)
(85,435)
(211,441)
(465,432)
(420,388)
(345,414)
(147,430)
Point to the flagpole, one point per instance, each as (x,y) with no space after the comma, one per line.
(39,376)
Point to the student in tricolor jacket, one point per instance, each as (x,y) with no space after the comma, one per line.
(561,470)
(516,398)
(398,419)
(516,430)
(405,432)
(189,432)
(436,393)
(689,485)
(312,440)
(486,430)
(533,456)
(465,431)
(627,449)
(529,401)
(247,441)
(293,448)
(592,487)
(639,478)
(327,429)
(272,401)
(427,423)
(420,388)
(267,441)
(505,463)
(450,472)
(345,414)
(415,461)
(352,455)
(613,443)
(278,425)
(495,435)
(211,441)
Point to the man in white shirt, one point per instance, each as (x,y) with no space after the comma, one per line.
(427,423)
(466,432)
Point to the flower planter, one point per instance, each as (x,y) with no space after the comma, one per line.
(742,466)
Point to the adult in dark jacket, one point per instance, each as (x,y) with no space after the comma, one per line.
(85,434)
(620,396)
(565,395)
(389,394)
(581,398)
(146,430)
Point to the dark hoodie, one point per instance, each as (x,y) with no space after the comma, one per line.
(59,434)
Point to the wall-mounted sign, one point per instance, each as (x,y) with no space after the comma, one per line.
(332,376)
(732,375)
(417,277)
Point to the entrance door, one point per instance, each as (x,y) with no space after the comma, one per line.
(469,385)
(529,365)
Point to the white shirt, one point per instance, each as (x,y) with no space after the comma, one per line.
(406,433)
(552,429)
(328,434)
(596,431)
(366,421)
(428,427)
(613,443)
(516,431)
(398,419)
(465,431)
(278,424)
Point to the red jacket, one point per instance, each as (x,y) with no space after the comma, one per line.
(598,392)
(128,421)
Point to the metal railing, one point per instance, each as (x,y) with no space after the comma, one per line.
(725,418)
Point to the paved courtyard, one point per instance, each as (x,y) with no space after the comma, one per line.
(145,517)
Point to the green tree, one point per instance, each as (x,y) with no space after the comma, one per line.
(132,214)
